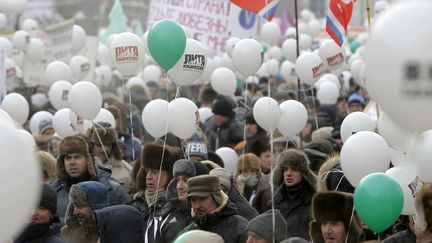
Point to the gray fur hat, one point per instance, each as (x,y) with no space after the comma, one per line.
(262,226)
(297,160)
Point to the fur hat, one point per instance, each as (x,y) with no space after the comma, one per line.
(331,177)
(262,225)
(224,176)
(49,198)
(108,136)
(48,164)
(322,133)
(333,206)
(248,161)
(296,159)
(194,236)
(224,108)
(74,145)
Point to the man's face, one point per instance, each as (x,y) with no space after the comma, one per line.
(98,151)
(292,177)
(333,231)
(84,214)
(220,120)
(152,179)
(254,238)
(41,215)
(182,187)
(203,206)
(75,165)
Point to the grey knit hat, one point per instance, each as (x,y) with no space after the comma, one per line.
(224,177)
(262,225)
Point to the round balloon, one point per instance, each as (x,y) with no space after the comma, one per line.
(103,55)
(182,117)
(154,117)
(135,81)
(421,155)
(288,72)
(289,49)
(58,94)
(293,118)
(127,53)
(18,161)
(247,56)
(230,43)
(85,99)
(105,115)
(363,153)
(80,66)
(166,42)
(276,53)
(270,33)
(378,201)
(57,70)
(223,81)
(396,136)
(356,122)
(35,121)
(272,66)
(79,39)
(62,123)
(151,73)
(205,113)
(35,50)
(309,67)
(328,93)
(6,118)
(191,65)
(410,184)
(78,123)
(31,26)
(266,113)
(21,39)
(401,64)
(229,157)
(16,106)
(331,54)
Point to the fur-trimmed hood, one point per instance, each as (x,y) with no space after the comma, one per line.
(331,177)
(296,159)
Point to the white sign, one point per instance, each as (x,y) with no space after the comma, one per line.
(60,40)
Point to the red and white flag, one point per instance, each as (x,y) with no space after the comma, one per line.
(338,17)
(265,8)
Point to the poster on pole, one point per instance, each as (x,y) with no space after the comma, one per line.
(59,41)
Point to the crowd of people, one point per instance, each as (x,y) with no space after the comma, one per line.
(110,185)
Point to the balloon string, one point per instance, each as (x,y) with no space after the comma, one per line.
(95,125)
(315,108)
(272,188)
(125,79)
(349,227)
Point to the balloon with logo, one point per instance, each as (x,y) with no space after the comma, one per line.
(182,117)
(80,66)
(293,118)
(37,118)
(127,53)
(229,157)
(154,117)
(421,155)
(35,50)
(356,122)
(16,106)
(79,38)
(309,68)
(85,99)
(404,73)
(18,161)
(331,54)
(223,81)
(363,153)
(247,56)
(62,123)
(105,115)
(57,70)
(266,113)
(166,42)
(191,65)
(378,201)
(410,184)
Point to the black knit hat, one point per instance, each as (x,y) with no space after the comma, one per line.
(224,108)
(49,198)
(262,225)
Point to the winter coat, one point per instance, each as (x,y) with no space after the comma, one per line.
(263,194)
(116,193)
(406,236)
(42,233)
(176,215)
(225,222)
(80,234)
(120,223)
(244,208)
(218,136)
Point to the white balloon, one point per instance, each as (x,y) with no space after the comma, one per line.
(144,39)
(328,93)
(27,137)
(356,68)
(80,66)
(272,66)
(154,117)
(21,39)
(290,33)
(35,50)
(182,117)
(288,72)
(78,123)
(31,26)
(408,181)
(3,20)
(151,73)
(331,54)
(57,70)
(79,39)
(127,53)
(85,99)
(263,72)
(247,56)
(105,72)
(103,55)
(227,62)
(6,45)
(314,27)
(275,52)
(305,41)
(18,161)
(62,123)
(212,64)
(421,155)
(37,118)
(363,153)
(224,81)
(16,106)
(6,118)
(396,136)
(307,15)
(191,64)
(229,157)
(309,68)
(404,73)
(293,118)
(105,115)
(356,122)
(135,81)
(17,6)
(205,113)
(266,113)
(230,43)
(270,33)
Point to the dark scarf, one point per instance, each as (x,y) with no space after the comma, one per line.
(35,233)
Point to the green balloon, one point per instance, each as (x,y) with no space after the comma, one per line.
(355,45)
(378,201)
(166,42)
(351,39)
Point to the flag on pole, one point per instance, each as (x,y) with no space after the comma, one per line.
(338,18)
(265,8)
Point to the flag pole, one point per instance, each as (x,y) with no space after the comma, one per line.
(298,54)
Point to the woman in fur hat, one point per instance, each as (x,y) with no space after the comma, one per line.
(248,175)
